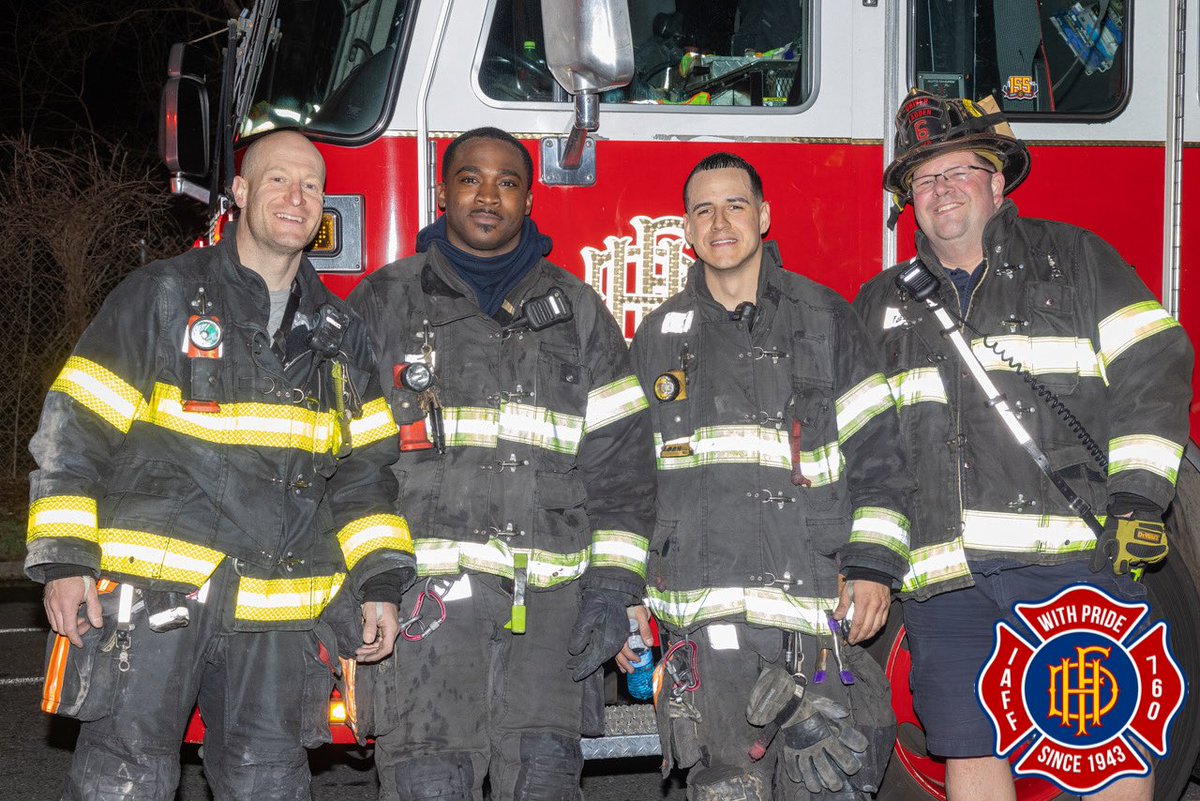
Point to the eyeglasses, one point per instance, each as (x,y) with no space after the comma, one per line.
(954,175)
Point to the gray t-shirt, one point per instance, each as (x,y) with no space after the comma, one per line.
(279,299)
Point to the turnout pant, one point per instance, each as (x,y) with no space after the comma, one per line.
(263,696)
(473,699)
(715,742)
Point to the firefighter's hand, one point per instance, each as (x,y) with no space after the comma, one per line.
(62,600)
(601,629)
(381,626)
(625,657)
(1130,541)
(871,600)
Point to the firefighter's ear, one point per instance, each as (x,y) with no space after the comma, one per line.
(239,191)
(528,202)
(764,218)
(441,196)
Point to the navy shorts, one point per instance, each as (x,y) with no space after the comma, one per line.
(951,635)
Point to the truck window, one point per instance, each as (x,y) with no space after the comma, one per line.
(333,67)
(686,52)
(1053,57)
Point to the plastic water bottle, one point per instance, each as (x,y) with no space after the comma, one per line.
(641,681)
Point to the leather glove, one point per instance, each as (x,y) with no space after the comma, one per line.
(822,749)
(1134,535)
(599,632)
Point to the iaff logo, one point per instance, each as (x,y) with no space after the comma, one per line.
(635,274)
(1081,693)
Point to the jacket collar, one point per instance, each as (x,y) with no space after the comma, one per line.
(249,288)
(770,290)
(995,236)
(448,298)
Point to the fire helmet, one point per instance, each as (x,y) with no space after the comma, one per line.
(928,126)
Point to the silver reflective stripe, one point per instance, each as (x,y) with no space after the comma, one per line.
(1126,327)
(624,549)
(880,526)
(934,564)
(613,402)
(1041,355)
(752,444)
(436,557)
(1144,452)
(923,384)
(858,406)
(766,606)
(1018,533)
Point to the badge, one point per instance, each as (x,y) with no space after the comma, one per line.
(670,386)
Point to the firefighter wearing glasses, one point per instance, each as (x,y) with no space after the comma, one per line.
(212,469)
(1050,308)
(781,499)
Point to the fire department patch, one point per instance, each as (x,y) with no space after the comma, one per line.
(1083,691)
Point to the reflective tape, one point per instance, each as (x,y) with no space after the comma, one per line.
(101,391)
(1126,327)
(935,564)
(1042,355)
(362,537)
(472,426)
(255,424)
(1018,533)
(752,444)
(858,406)
(765,606)
(62,516)
(437,557)
(1144,452)
(613,402)
(153,556)
(922,385)
(880,526)
(624,549)
(374,424)
(285,600)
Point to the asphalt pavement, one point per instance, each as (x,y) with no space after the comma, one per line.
(35,748)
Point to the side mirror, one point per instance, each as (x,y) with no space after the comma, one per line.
(589,45)
(183,125)
(589,48)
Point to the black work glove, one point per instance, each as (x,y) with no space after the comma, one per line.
(1134,535)
(821,749)
(599,632)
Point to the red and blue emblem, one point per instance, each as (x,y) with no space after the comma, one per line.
(1083,692)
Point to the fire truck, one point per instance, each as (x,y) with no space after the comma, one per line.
(617,100)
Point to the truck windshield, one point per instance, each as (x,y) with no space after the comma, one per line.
(333,67)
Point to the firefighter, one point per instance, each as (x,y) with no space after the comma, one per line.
(1054,315)
(781,504)
(528,479)
(212,469)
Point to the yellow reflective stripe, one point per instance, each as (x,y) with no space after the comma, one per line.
(923,384)
(1144,452)
(1010,532)
(259,424)
(153,556)
(470,426)
(880,526)
(285,600)
(374,424)
(367,535)
(614,401)
(624,549)
(62,516)
(935,564)
(473,426)
(858,406)
(751,444)
(438,557)
(765,606)
(1042,355)
(101,391)
(1126,327)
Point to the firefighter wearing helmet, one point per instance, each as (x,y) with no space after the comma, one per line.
(1054,313)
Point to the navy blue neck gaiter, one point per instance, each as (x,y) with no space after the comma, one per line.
(492,278)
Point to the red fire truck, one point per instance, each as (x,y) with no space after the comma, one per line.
(617,100)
